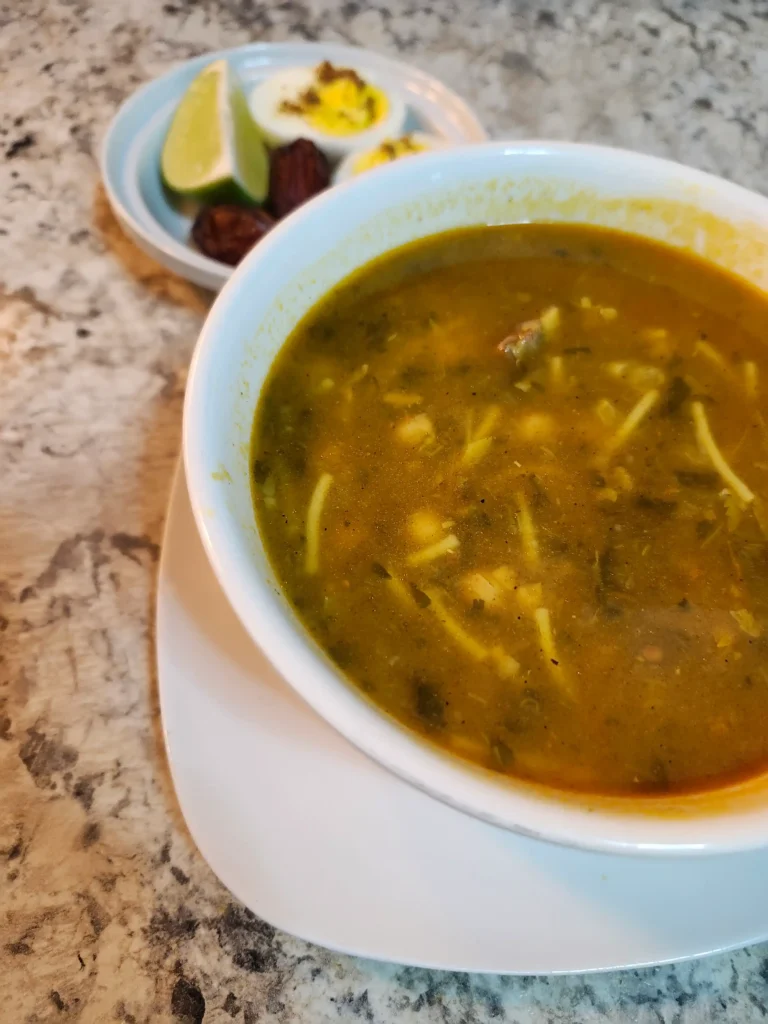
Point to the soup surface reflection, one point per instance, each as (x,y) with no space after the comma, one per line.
(513,480)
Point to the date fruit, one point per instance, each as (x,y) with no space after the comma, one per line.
(298,172)
(226,233)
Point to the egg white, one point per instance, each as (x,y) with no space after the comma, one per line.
(280,128)
(346,168)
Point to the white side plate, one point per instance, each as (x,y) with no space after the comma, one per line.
(130,155)
(327,845)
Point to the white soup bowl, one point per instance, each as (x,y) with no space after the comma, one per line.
(292,269)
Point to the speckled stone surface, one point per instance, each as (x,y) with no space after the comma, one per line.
(107,912)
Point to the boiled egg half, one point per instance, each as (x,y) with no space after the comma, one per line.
(387,151)
(337,108)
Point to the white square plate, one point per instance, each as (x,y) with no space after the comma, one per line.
(322,842)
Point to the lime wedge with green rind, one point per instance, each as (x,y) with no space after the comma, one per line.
(213,151)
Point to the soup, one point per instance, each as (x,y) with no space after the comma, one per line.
(512,480)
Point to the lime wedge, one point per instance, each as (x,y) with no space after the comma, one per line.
(213,150)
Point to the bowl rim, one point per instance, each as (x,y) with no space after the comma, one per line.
(556,816)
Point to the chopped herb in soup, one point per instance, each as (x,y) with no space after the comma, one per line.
(514,481)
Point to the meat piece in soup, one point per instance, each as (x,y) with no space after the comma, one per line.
(514,482)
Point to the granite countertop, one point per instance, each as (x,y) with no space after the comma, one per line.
(108,911)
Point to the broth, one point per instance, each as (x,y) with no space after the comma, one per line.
(512,479)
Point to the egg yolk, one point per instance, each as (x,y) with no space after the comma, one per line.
(390,150)
(339,102)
